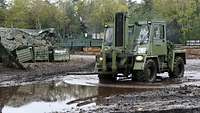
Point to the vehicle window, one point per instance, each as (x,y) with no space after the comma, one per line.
(130,32)
(143,35)
(158,32)
(108,36)
(162,29)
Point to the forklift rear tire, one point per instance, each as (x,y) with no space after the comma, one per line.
(178,70)
(103,78)
(148,74)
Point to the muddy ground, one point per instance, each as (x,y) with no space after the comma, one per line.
(50,88)
(45,70)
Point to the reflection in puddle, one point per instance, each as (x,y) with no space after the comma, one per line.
(88,80)
(42,98)
(55,97)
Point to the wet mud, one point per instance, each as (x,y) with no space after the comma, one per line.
(84,94)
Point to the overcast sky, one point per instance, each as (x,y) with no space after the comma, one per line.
(138,1)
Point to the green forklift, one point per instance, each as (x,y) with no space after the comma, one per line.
(140,49)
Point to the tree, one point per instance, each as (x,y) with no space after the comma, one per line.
(181,11)
(143,11)
(44,14)
(72,26)
(3,4)
(103,12)
(17,15)
(35,14)
(2,11)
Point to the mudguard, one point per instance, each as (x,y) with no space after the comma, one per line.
(139,65)
(176,53)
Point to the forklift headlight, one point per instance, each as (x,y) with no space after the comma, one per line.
(101,59)
(139,58)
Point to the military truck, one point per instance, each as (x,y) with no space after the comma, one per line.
(140,49)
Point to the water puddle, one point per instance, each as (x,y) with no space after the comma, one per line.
(78,92)
(56,97)
(42,98)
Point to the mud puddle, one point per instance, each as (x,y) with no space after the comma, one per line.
(55,97)
(84,93)
(43,98)
(74,93)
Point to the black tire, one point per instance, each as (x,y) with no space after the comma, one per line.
(148,74)
(103,78)
(178,71)
(137,76)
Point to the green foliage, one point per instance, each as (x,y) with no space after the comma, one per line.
(3,12)
(3,4)
(185,12)
(18,14)
(34,14)
(71,17)
(104,10)
(2,16)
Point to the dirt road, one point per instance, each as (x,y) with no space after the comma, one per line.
(84,94)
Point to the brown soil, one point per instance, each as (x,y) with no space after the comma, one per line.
(193,53)
(179,100)
(44,70)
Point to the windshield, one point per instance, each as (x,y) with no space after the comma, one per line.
(141,34)
(108,37)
